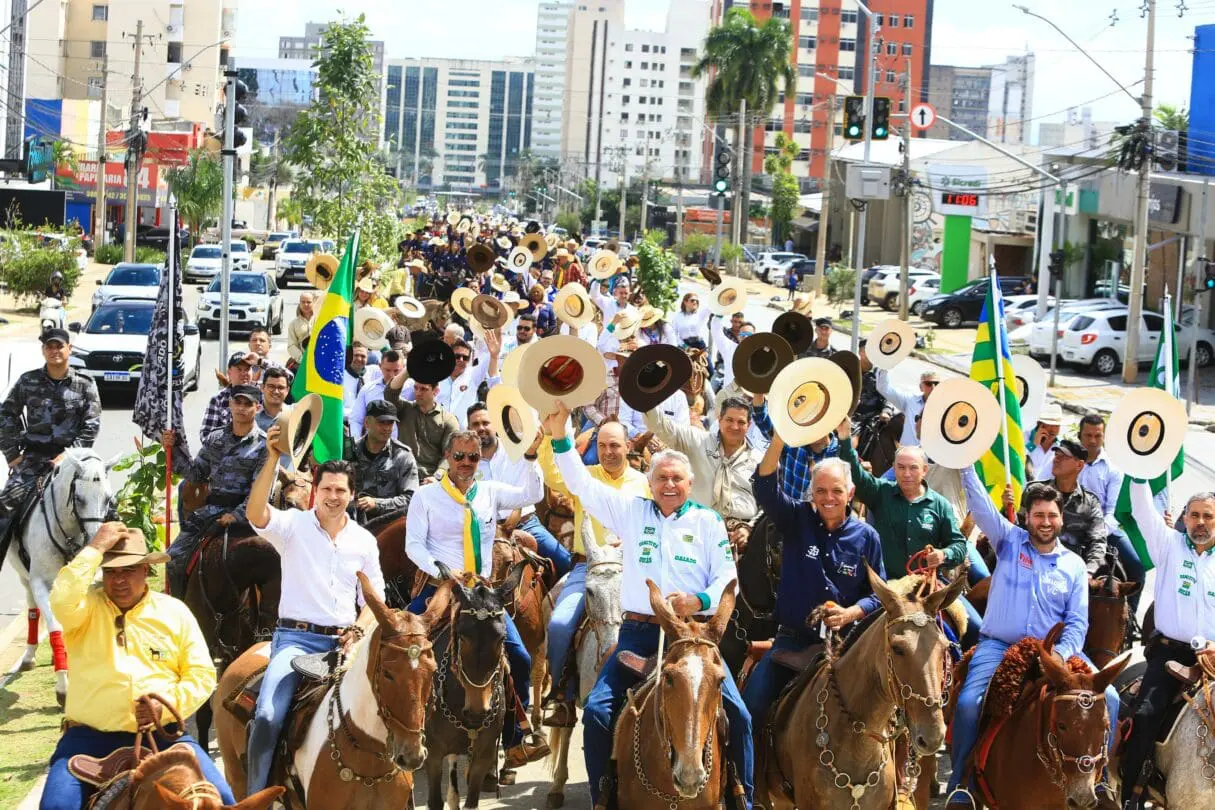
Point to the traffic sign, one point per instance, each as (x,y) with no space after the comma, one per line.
(922,116)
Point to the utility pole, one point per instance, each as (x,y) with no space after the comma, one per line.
(624,188)
(1130,365)
(645,185)
(1191,394)
(905,243)
(860,231)
(820,250)
(737,227)
(273,184)
(225,226)
(135,144)
(102,127)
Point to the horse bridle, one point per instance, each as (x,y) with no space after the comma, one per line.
(594,625)
(494,679)
(1055,759)
(903,692)
(66,546)
(413,651)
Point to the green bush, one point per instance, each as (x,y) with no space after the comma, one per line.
(26,268)
(655,274)
(149,255)
(108,254)
(693,244)
(570,221)
(840,285)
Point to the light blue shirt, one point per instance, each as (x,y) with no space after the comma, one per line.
(1031,591)
(1105,481)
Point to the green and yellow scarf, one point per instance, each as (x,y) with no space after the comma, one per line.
(472,526)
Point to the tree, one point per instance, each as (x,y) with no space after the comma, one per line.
(341,182)
(289,211)
(656,274)
(269,171)
(199,188)
(785,190)
(62,156)
(750,61)
(1170,116)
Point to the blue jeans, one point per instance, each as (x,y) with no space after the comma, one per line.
(564,623)
(1131,564)
(65,792)
(550,548)
(987,656)
(517,657)
(768,678)
(606,700)
(274,699)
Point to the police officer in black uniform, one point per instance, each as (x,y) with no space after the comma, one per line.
(386,469)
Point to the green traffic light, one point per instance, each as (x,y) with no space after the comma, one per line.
(720,186)
(880,132)
(854,132)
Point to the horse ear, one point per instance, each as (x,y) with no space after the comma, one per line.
(513,577)
(171,800)
(721,617)
(444,571)
(438,605)
(1127,589)
(888,598)
(260,800)
(1111,671)
(383,614)
(662,608)
(945,597)
(1055,670)
(1052,638)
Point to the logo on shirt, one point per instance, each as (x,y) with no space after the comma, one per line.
(647,551)
(687,538)
(848,569)
(927,521)
(648,530)
(1025,562)
(729,550)
(683,558)
(1187,584)
(155,654)
(1187,564)
(812,553)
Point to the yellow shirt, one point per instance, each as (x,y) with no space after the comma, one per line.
(394,283)
(165,651)
(630,481)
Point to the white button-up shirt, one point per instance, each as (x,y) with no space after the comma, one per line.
(1185,579)
(674,407)
(687,551)
(434,527)
(500,468)
(608,303)
(1042,461)
(1100,478)
(319,583)
(358,412)
(459,394)
(911,405)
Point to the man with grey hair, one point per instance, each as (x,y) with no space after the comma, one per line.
(911,404)
(679,545)
(822,562)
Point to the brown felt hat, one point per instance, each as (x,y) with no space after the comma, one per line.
(758,359)
(796,329)
(132,550)
(653,373)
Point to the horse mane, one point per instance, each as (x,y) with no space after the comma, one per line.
(179,754)
(1019,668)
(907,587)
(378,524)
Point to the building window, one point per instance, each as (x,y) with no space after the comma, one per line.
(645,48)
(95,86)
(101,12)
(624,118)
(890,76)
(807,42)
(893,22)
(908,21)
(97,49)
(906,49)
(624,99)
(645,65)
(627,81)
(624,133)
(847,17)
(174,53)
(643,82)
(880,19)
(892,49)
(687,53)
(802,125)
(628,47)
(847,44)
(847,73)
(805,71)
(641,99)
(809,14)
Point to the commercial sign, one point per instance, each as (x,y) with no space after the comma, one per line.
(84,178)
(958,189)
(1164,203)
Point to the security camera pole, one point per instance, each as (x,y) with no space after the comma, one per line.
(860,230)
(225,225)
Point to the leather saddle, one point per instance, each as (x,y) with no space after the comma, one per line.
(641,666)
(1190,676)
(21,515)
(798,660)
(317,669)
(101,772)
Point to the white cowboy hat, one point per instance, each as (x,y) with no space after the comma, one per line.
(509,368)
(960,423)
(808,400)
(499,282)
(298,425)
(890,343)
(561,367)
(1030,387)
(461,302)
(728,297)
(1145,432)
(513,419)
(411,307)
(519,259)
(603,265)
(629,326)
(573,305)
(371,324)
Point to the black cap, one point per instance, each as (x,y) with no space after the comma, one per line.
(237,358)
(249,392)
(1072,448)
(55,333)
(382,411)
(822,321)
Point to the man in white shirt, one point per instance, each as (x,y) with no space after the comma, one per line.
(1185,612)
(725,343)
(435,532)
(353,377)
(674,407)
(390,366)
(910,404)
(1041,449)
(459,391)
(618,302)
(321,551)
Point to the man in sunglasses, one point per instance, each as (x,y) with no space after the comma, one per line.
(127,642)
(911,404)
(459,391)
(438,530)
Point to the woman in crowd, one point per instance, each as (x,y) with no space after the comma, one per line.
(691,323)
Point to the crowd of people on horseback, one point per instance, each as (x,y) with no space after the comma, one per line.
(763,572)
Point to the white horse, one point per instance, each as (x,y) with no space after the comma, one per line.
(604,566)
(72,507)
(1185,762)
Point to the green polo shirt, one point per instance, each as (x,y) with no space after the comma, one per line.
(904,526)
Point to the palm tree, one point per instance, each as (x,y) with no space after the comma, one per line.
(1170,116)
(199,188)
(269,171)
(750,61)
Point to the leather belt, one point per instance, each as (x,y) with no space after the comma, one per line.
(645,618)
(309,627)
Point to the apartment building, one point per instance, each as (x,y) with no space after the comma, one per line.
(961,94)
(304,47)
(1077,130)
(1012,99)
(458,123)
(552,22)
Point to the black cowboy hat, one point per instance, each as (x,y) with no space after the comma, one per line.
(851,364)
(796,329)
(758,359)
(430,361)
(711,275)
(653,373)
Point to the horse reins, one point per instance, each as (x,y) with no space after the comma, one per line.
(66,546)
(594,625)
(462,678)
(1058,758)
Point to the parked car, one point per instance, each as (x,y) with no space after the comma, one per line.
(158,238)
(128,280)
(242,257)
(253,300)
(240,230)
(867,276)
(772,265)
(110,347)
(292,257)
(204,263)
(964,304)
(274,241)
(921,290)
(1040,330)
(1022,309)
(803,268)
(76,244)
(884,285)
(1097,339)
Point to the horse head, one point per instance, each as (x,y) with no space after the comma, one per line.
(604,568)
(180,785)
(478,637)
(1072,740)
(1108,615)
(917,653)
(83,493)
(688,688)
(294,490)
(400,668)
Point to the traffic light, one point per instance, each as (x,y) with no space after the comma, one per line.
(240,114)
(881,118)
(1056,263)
(721,172)
(854,118)
(1206,279)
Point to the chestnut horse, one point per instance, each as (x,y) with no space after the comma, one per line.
(829,741)
(670,740)
(526,604)
(172,780)
(1048,747)
(360,747)
(1109,615)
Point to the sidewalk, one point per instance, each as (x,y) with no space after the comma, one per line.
(23,321)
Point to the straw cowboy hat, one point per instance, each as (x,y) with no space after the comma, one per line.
(321,269)
(603,265)
(298,425)
(371,324)
(461,302)
(808,400)
(573,305)
(960,423)
(519,259)
(411,307)
(650,316)
(132,550)
(513,419)
(499,282)
(728,297)
(536,244)
(561,367)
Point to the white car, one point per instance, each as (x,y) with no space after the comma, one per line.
(1097,339)
(253,300)
(242,258)
(1020,310)
(772,265)
(204,263)
(921,290)
(884,286)
(111,346)
(128,280)
(65,242)
(293,256)
(1040,330)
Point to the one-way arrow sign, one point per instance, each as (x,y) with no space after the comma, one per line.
(922,116)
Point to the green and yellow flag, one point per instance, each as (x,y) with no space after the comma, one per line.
(323,366)
(1001,462)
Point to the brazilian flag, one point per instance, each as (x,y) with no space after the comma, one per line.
(323,366)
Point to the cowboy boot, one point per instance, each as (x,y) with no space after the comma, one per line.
(560,714)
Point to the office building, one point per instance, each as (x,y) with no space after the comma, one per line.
(1077,130)
(1010,102)
(278,90)
(459,124)
(304,47)
(552,22)
(961,94)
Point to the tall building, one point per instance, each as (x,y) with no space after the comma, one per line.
(1078,130)
(182,53)
(458,123)
(830,52)
(1011,100)
(961,94)
(631,104)
(304,47)
(278,90)
(552,22)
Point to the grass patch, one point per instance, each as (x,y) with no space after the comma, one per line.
(29,728)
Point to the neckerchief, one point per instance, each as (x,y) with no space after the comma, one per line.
(472,526)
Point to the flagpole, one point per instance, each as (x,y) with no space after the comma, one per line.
(1168,335)
(169,307)
(995,322)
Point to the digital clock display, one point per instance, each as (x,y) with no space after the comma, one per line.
(960,198)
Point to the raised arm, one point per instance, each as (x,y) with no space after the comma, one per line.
(868,488)
(607,505)
(529,493)
(989,521)
(768,495)
(681,437)
(1156,533)
(886,389)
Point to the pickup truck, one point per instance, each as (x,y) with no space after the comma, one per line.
(240,230)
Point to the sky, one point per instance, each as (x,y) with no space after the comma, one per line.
(965,32)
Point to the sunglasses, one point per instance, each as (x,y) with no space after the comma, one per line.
(460,455)
(462,358)
(120,630)
(930,383)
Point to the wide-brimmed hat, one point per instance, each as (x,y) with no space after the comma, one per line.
(711,275)
(461,302)
(728,297)
(629,325)
(960,423)
(603,264)
(513,299)
(371,324)
(411,307)
(504,242)
(890,343)
(498,282)
(650,315)
(552,240)
(481,257)
(320,270)
(1030,386)
(796,329)
(851,364)
(536,244)
(653,373)
(519,259)
(561,367)
(1144,432)
(298,424)
(490,312)
(1051,414)
(759,359)
(808,400)
(430,361)
(573,305)
(513,419)
(132,550)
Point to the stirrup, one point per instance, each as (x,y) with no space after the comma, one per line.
(965,792)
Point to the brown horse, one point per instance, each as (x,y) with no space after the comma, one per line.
(670,740)
(399,571)
(526,604)
(1042,738)
(359,746)
(172,780)
(1109,614)
(846,715)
